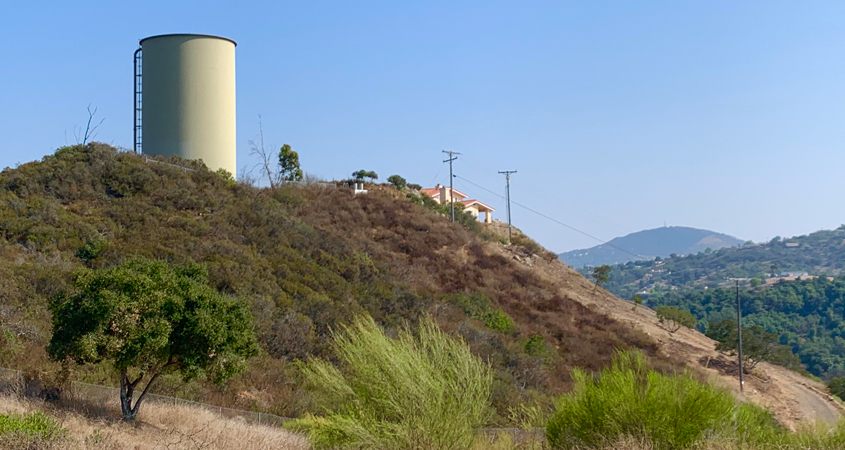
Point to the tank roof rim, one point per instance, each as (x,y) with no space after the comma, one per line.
(141,42)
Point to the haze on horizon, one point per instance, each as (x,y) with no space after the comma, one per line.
(618,116)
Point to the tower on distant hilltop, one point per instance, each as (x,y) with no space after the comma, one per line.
(185,98)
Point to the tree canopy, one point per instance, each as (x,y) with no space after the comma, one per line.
(757,345)
(601,275)
(147,317)
(807,315)
(397,181)
(289,169)
(673,318)
(361,174)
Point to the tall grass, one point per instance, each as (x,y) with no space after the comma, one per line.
(416,392)
(670,411)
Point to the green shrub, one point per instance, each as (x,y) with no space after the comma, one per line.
(837,387)
(415,392)
(477,306)
(36,424)
(536,345)
(669,411)
(499,321)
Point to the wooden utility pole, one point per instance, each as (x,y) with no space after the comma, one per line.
(739,333)
(507,174)
(452,157)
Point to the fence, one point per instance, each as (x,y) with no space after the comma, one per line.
(106,397)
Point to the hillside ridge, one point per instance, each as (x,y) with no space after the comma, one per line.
(649,244)
(306,257)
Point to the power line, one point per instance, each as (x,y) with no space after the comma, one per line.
(553,219)
(483,163)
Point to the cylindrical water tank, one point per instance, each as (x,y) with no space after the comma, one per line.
(188,98)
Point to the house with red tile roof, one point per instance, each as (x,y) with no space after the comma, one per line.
(444,194)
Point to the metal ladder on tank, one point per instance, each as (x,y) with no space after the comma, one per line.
(139,114)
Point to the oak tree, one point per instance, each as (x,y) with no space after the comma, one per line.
(150,317)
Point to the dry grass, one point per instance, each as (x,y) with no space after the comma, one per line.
(159,427)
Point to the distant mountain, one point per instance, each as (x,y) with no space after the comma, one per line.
(649,244)
(819,253)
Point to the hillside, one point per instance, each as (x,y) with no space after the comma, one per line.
(819,253)
(794,399)
(307,258)
(649,244)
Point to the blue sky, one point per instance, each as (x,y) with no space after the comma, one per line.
(618,116)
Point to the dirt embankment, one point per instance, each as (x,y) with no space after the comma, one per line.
(794,399)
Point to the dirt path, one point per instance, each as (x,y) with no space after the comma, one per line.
(794,399)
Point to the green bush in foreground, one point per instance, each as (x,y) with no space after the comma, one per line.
(415,392)
(670,411)
(34,425)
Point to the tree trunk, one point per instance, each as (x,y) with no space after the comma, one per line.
(127,389)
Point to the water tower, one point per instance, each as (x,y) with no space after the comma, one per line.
(185,98)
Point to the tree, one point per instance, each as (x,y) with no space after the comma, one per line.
(289,169)
(266,157)
(397,181)
(757,345)
(361,174)
(414,186)
(836,386)
(147,318)
(601,275)
(674,318)
(638,300)
(774,268)
(90,132)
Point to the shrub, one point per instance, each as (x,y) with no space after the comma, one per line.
(477,306)
(669,411)
(35,425)
(674,318)
(837,387)
(424,392)
(536,345)
(499,321)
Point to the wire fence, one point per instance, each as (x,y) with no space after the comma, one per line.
(106,397)
(12,382)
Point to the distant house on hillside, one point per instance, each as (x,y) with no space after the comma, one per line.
(444,194)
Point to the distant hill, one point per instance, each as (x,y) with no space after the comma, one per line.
(649,244)
(819,253)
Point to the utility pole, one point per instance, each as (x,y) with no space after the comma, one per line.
(452,157)
(507,174)
(739,333)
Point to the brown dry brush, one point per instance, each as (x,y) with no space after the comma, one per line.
(307,258)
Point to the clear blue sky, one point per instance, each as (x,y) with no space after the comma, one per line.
(618,115)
